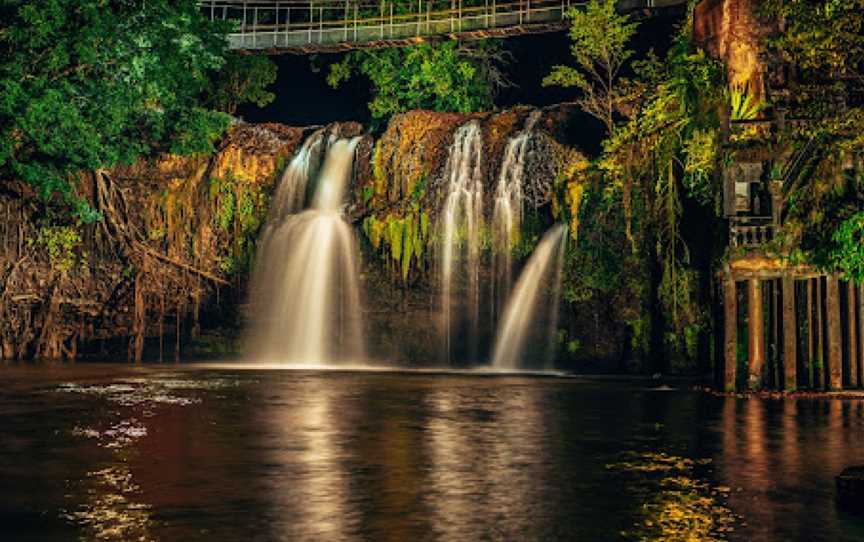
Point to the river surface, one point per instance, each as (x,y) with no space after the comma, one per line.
(219,453)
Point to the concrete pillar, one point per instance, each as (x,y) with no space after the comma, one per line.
(852,326)
(834,336)
(730,336)
(790,339)
(756,338)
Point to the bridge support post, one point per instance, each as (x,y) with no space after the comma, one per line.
(452,9)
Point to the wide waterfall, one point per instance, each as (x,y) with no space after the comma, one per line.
(507,212)
(305,301)
(539,280)
(462,220)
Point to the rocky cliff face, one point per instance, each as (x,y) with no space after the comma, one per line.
(163,274)
(174,234)
(731,31)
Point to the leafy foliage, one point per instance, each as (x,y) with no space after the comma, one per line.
(447,76)
(62,244)
(243,79)
(824,40)
(742,104)
(848,252)
(663,153)
(87,84)
(600,37)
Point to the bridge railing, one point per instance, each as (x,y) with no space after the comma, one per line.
(298,24)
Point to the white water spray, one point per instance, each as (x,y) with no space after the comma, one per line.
(507,212)
(305,294)
(462,219)
(523,309)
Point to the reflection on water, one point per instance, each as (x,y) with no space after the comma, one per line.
(485,461)
(223,454)
(310,485)
(109,511)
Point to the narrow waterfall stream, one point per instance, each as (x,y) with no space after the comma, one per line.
(462,220)
(305,299)
(507,214)
(540,280)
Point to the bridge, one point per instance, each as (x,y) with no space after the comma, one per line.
(318,26)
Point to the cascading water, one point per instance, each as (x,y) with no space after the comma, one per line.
(462,219)
(507,212)
(291,191)
(305,297)
(524,310)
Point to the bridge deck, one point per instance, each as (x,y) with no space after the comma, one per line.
(308,26)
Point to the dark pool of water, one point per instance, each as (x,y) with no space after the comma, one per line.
(155,453)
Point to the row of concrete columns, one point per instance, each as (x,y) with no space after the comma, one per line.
(803,325)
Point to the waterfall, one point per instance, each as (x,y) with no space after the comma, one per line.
(291,191)
(462,219)
(305,301)
(507,212)
(524,309)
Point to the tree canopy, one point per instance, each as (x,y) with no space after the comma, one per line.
(600,37)
(242,79)
(446,76)
(87,84)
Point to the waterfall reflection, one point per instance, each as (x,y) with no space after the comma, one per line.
(310,487)
(486,470)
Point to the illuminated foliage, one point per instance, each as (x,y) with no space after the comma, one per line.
(88,84)
(242,79)
(600,37)
(448,76)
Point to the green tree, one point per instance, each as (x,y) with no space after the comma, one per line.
(823,40)
(447,76)
(847,253)
(599,36)
(87,84)
(243,79)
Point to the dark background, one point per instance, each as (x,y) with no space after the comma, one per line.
(303,97)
